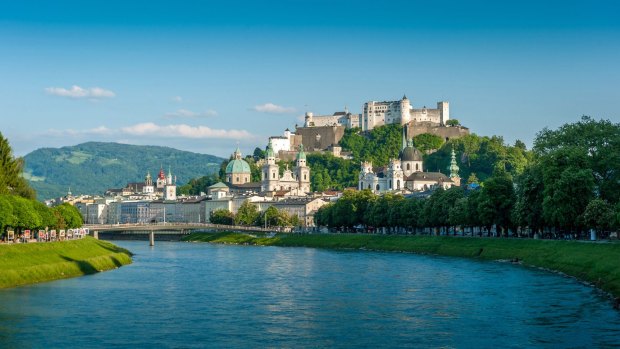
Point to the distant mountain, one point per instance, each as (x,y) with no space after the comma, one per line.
(93,167)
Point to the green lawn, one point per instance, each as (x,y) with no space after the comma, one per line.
(597,263)
(22,264)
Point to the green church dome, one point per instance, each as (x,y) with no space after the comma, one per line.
(238,166)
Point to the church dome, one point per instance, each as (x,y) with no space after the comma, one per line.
(238,166)
(410,153)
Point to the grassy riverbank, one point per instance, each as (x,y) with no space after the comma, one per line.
(596,263)
(22,264)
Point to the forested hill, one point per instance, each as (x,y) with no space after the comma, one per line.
(93,167)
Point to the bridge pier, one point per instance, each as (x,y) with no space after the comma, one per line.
(152,238)
(96,234)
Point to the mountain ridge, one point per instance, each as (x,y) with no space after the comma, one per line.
(93,167)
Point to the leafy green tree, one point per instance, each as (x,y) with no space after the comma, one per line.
(498,199)
(599,215)
(11,180)
(7,217)
(528,210)
(68,216)
(568,186)
(258,154)
(247,214)
(222,216)
(599,140)
(453,122)
(48,219)
(25,214)
(378,145)
(426,142)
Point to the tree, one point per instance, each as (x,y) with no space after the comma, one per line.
(426,142)
(7,217)
(528,210)
(69,216)
(222,216)
(568,186)
(453,122)
(498,200)
(11,180)
(25,214)
(247,214)
(258,154)
(599,140)
(598,215)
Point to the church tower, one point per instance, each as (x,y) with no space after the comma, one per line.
(395,175)
(148,184)
(271,172)
(303,171)
(170,189)
(454,170)
(161,178)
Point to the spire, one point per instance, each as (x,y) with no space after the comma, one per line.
(237,153)
(454,168)
(301,155)
(404,96)
(269,152)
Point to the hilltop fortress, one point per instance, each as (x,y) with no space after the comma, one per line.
(323,132)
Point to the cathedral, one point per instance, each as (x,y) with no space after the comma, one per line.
(406,173)
(297,180)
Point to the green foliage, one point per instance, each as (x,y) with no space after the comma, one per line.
(247,214)
(93,167)
(453,122)
(598,140)
(598,215)
(222,216)
(277,218)
(426,142)
(195,186)
(68,216)
(378,145)
(11,180)
(329,172)
(480,155)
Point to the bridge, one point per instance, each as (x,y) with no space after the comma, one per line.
(165,231)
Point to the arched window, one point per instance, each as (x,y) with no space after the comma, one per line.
(304,176)
(408,167)
(273,175)
(398,184)
(237,178)
(368,186)
(378,187)
(390,184)
(417,167)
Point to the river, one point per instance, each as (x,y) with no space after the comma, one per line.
(195,295)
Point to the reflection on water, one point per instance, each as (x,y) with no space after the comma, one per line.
(199,295)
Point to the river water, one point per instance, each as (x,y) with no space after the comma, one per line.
(195,295)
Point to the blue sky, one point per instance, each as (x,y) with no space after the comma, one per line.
(202,76)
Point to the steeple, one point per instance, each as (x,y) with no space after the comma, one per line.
(454,168)
(269,154)
(237,153)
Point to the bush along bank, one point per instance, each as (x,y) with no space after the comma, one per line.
(594,263)
(24,264)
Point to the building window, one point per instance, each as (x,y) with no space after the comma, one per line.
(408,167)
(273,175)
(417,167)
(398,184)
(378,187)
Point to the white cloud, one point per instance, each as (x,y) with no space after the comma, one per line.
(184,113)
(273,108)
(78,92)
(182,131)
(149,129)
(177,99)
